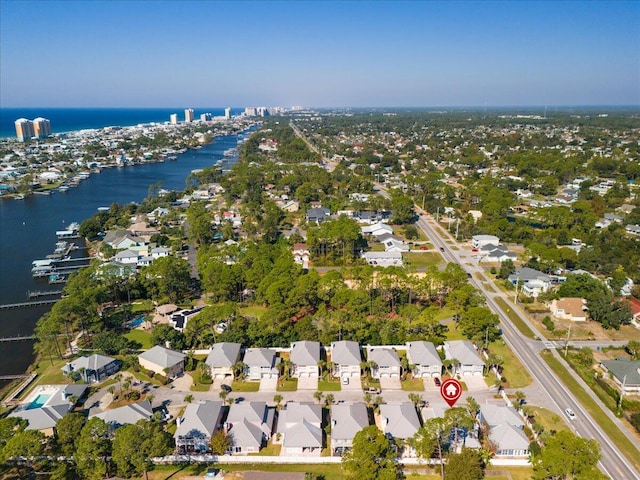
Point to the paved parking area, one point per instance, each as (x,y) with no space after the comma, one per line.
(268,384)
(390,384)
(308,383)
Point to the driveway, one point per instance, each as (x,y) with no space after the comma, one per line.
(216,386)
(390,384)
(430,385)
(308,383)
(475,383)
(183,382)
(268,384)
(354,384)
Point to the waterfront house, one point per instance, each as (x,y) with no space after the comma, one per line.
(197,425)
(469,360)
(424,358)
(163,361)
(249,425)
(222,358)
(127,257)
(347,419)
(300,426)
(126,415)
(386,362)
(93,368)
(122,239)
(260,363)
(346,358)
(304,357)
(47,404)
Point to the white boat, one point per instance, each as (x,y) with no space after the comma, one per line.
(19,197)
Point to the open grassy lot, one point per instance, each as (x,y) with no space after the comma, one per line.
(51,373)
(513,370)
(412,384)
(290,385)
(256,311)
(421,259)
(624,444)
(238,386)
(329,385)
(548,419)
(140,336)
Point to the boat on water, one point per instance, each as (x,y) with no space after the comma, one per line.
(230,152)
(70,232)
(172,158)
(60,247)
(19,197)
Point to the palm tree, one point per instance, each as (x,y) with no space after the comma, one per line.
(521,397)
(318,395)
(223,395)
(188,398)
(455,364)
(368,399)
(473,407)
(278,399)
(415,399)
(150,397)
(328,400)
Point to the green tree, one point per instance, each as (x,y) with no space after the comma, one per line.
(168,276)
(26,444)
(567,456)
(94,447)
(403,211)
(431,438)
(135,445)
(371,457)
(633,349)
(466,465)
(220,443)
(479,324)
(68,432)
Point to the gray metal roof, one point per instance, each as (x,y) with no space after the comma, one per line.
(508,437)
(305,353)
(199,419)
(224,354)
(463,351)
(422,353)
(92,362)
(129,414)
(347,419)
(527,274)
(384,357)
(259,357)
(399,419)
(494,415)
(622,367)
(345,352)
(53,410)
(164,357)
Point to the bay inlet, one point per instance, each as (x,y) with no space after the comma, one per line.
(28,226)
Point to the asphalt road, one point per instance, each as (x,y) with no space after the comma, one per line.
(612,463)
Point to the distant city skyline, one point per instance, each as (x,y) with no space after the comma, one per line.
(318,54)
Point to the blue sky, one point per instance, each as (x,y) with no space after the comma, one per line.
(211,53)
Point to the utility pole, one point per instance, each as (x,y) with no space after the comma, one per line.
(566,345)
(437,214)
(486,338)
(517,283)
(457,225)
(624,381)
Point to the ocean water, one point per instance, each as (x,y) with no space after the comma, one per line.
(70,119)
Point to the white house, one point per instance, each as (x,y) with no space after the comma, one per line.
(347,419)
(469,360)
(260,363)
(383,259)
(222,358)
(300,425)
(346,358)
(425,359)
(304,357)
(571,308)
(196,427)
(386,360)
(249,425)
(479,241)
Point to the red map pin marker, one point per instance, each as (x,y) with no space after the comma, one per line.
(451,390)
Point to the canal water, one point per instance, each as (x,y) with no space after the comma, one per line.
(27,232)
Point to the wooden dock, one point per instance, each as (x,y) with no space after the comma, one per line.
(28,304)
(43,293)
(17,338)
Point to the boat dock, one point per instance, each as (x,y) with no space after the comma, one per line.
(17,338)
(28,304)
(45,293)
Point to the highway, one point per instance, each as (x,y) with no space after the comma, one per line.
(612,463)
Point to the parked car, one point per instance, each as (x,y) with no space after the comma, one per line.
(225,387)
(345,380)
(436,380)
(570,413)
(442,249)
(372,390)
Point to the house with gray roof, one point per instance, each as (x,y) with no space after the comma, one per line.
(347,419)
(624,371)
(400,421)
(346,358)
(260,363)
(386,360)
(300,425)
(424,358)
(93,368)
(495,415)
(129,414)
(383,259)
(532,281)
(249,425)
(47,404)
(470,361)
(479,241)
(510,441)
(304,357)
(163,361)
(222,358)
(317,214)
(197,425)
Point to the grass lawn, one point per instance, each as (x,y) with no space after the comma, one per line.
(453,333)
(548,419)
(412,385)
(444,313)
(238,386)
(256,311)
(271,450)
(422,259)
(329,385)
(142,306)
(624,444)
(178,472)
(513,370)
(290,385)
(140,336)
(515,319)
(50,374)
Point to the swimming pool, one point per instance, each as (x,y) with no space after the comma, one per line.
(138,321)
(39,401)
